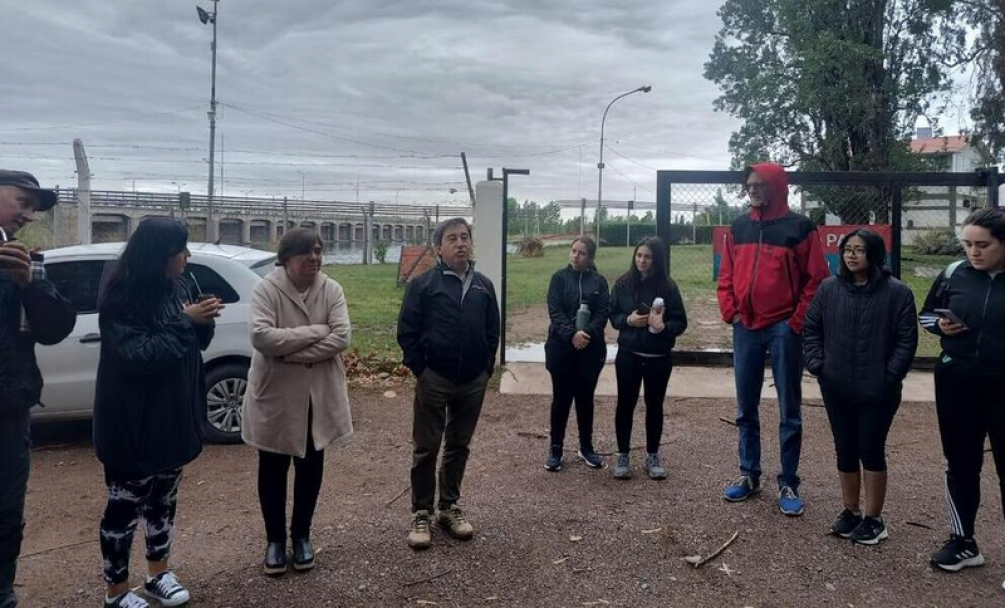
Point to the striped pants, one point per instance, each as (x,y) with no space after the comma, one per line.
(154,499)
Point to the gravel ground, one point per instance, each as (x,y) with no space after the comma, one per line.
(575,538)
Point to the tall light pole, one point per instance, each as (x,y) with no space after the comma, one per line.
(207,17)
(600,165)
(303,185)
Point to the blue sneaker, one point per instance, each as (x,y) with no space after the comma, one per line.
(741,489)
(789,502)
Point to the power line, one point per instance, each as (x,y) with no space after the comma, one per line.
(104,122)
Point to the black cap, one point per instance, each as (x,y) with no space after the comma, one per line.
(44,199)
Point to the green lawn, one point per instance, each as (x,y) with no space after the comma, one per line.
(374,299)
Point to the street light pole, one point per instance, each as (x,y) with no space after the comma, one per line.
(303,185)
(206,17)
(600,165)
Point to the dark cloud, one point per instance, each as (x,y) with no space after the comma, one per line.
(388,92)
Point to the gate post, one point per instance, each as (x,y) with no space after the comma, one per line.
(992,186)
(663,218)
(897,220)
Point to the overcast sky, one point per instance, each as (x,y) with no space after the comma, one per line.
(386,92)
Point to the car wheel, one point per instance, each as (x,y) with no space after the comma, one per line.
(225,386)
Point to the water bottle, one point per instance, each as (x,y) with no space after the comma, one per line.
(657,309)
(37,274)
(582,317)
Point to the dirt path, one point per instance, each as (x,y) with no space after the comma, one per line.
(576,538)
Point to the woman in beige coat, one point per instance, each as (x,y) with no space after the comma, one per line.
(296,403)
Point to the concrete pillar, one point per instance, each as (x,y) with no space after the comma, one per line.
(488,235)
(246,231)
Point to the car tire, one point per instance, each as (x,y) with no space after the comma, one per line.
(225,386)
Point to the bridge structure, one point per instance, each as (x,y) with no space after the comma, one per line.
(251,221)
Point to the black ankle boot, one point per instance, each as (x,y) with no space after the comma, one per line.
(303,554)
(275,559)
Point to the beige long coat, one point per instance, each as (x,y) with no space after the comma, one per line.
(297,362)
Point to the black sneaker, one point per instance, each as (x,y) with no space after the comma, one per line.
(870,531)
(846,523)
(554,462)
(166,589)
(591,458)
(958,553)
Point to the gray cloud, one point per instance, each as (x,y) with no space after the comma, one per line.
(387,91)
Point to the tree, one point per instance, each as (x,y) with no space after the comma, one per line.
(833,85)
(986,54)
(720,212)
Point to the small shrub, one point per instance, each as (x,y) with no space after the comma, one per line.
(530,247)
(380,251)
(938,241)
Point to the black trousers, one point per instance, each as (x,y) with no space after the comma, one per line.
(273,470)
(15,463)
(445,413)
(860,428)
(971,406)
(574,376)
(153,499)
(633,372)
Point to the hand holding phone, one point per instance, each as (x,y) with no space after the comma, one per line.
(950,323)
(949,315)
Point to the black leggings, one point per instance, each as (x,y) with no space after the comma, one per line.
(860,427)
(272,473)
(574,376)
(971,406)
(633,371)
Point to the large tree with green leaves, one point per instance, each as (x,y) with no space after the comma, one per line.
(986,56)
(833,85)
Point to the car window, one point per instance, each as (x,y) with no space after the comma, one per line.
(79,282)
(264,267)
(206,280)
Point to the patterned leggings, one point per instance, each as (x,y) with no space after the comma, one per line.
(155,499)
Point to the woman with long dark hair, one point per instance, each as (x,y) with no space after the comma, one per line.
(578,305)
(648,312)
(966,309)
(150,403)
(859,340)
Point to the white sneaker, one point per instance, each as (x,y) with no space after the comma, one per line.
(126,600)
(167,590)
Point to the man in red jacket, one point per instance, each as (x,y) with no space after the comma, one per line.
(771,266)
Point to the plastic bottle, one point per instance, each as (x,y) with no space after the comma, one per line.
(657,309)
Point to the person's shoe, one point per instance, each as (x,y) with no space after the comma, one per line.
(870,531)
(789,502)
(591,458)
(846,523)
(166,589)
(127,600)
(452,518)
(303,554)
(554,462)
(622,466)
(275,559)
(655,468)
(419,537)
(958,553)
(741,489)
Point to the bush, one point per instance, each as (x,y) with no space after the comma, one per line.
(530,247)
(380,251)
(938,241)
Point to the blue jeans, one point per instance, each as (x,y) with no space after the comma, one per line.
(786,349)
(15,443)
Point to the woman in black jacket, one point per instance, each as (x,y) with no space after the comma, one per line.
(149,404)
(578,305)
(966,309)
(648,312)
(859,340)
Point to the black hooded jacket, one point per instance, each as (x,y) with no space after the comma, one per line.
(860,340)
(567,291)
(639,339)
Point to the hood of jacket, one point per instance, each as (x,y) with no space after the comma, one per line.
(778,189)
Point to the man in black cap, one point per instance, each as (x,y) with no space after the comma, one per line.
(30,311)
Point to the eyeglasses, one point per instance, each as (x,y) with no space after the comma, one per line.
(857,252)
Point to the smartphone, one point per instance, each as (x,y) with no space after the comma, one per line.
(945,313)
(204,296)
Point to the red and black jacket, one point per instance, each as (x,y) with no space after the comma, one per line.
(772,262)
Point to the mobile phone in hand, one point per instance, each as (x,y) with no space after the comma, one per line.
(945,313)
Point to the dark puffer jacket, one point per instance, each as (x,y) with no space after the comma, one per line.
(860,340)
(568,289)
(51,318)
(625,301)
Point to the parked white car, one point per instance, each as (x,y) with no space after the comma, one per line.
(70,368)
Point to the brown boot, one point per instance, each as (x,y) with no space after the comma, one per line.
(419,536)
(454,521)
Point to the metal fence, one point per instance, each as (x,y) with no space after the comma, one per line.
(353,233)
(918,214)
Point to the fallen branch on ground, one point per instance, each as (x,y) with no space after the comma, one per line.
(531,435)
(919,525)
(701,562)
(57,548)
(399,495)
(727,420)
(426,580)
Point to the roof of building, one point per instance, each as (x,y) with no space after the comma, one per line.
(940,145)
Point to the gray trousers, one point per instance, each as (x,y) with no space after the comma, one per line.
(444,413)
